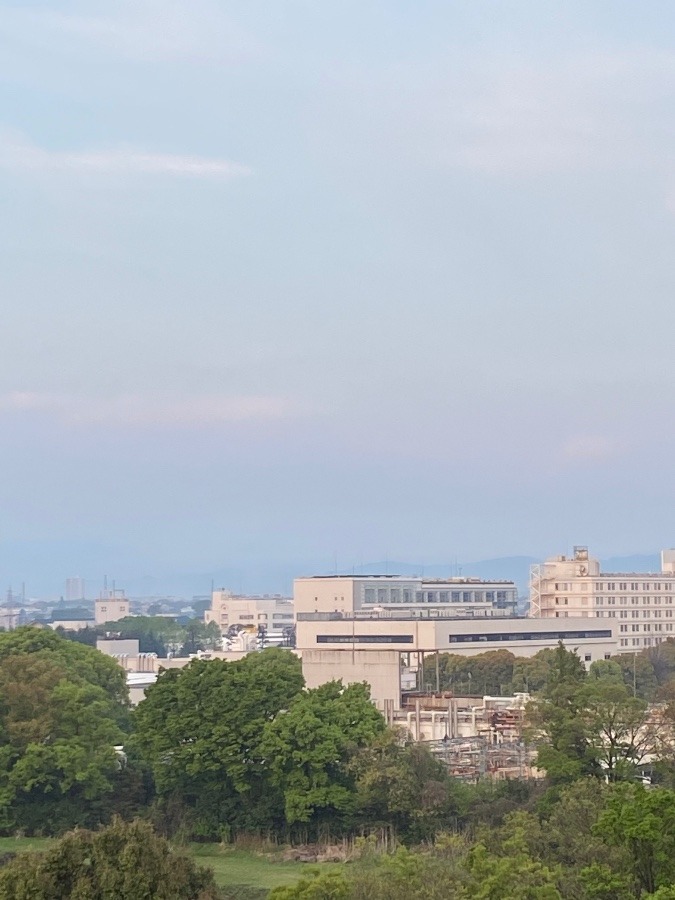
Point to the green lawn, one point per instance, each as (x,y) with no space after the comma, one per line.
(241,867)
(19,845)
(231,867)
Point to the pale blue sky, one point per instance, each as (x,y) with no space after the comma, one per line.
(289,280)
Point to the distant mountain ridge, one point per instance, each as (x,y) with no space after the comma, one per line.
(44,568)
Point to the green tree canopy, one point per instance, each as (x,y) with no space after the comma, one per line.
(123,861)
(307,749)
(63,711)
(200,729)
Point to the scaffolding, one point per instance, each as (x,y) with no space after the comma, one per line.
(473,759)
(535,590)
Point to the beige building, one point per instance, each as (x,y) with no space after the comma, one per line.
(275,613)
(111,606)
(639,604)
(380,648)
(347,594)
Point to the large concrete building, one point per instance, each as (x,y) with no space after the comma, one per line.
(457,596)
(227,610)
(388,629)
(640,604)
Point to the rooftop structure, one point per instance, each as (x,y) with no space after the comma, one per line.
(351,594)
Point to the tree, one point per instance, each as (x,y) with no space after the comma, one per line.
(401,786)
(80,660)
(642,823)
(62,713)
(307,748)
(556,716)
(124,861)
(200,729)
(617,724)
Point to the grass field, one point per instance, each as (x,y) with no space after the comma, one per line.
(230,867)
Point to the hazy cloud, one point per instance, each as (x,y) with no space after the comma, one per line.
(141,31)
(19,154)
(588,448)
(148,409)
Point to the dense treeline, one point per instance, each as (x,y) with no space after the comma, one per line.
(220,749)
(163,635)
(499,672)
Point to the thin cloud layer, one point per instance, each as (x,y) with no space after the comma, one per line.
(143,410)
(19,154)
(147,31)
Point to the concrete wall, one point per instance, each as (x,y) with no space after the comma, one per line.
(380,668)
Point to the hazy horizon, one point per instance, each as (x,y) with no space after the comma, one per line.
(303,281)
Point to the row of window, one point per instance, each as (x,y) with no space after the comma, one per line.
(635,614)
(637,642)
(657,627)
(398,595)
(364,638)
(633,601)
(531,636)
(620,586)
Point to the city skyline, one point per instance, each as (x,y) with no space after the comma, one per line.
(358,282)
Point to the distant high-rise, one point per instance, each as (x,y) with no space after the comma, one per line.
(74,588)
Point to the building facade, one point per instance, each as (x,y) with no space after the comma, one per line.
(640,604)
(111,606)
(380,648)
(227,610)
(362,594)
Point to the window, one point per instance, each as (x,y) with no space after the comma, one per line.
(634,586)
(598,586)
(466,597)
(623,586)
(608,655)
(623,613)
(646,627)
(246,618)
(587,657)
(364,639)
(611,586)
(599,601)
(645,614)
(455,597)
(623,627)
(634,627)
(531,636)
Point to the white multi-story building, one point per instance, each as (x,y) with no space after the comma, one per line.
(367,593)
(275,613)
(643,603)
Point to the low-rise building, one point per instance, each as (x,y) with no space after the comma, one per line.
(379,647)
(111,606)
(228,610)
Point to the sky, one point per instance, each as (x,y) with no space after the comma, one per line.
(317,284)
